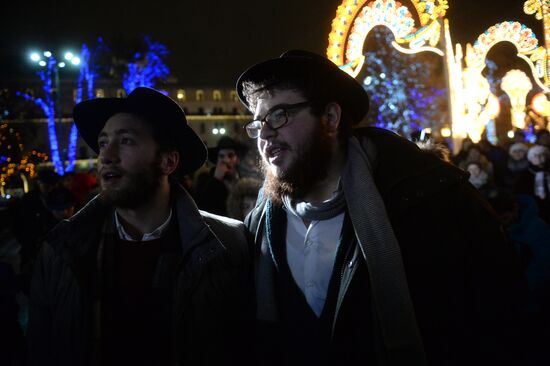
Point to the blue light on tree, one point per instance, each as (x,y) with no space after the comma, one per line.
(47,104)
(86,79)
(147,69)
(403,89)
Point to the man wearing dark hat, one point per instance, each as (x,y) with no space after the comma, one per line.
(213,188)
(139,276)
(368,250)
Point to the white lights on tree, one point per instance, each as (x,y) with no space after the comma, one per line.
(517,85)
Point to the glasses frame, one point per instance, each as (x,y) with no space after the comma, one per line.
(263,121)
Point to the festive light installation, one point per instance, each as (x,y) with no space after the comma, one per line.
(86,77)
(542,10)
(469,112)
(147,70)
(517,85)
(48,105)
(355,19)
(14,162)
(399,87)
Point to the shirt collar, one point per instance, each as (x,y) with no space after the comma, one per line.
(155,234)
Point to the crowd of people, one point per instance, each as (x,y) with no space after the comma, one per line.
(346,245)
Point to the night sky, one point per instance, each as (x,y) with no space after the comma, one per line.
(211,42)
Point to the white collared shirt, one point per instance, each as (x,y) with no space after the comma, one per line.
(311,253)
(155,234)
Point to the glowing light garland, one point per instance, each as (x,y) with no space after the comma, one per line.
(48,107)
(542,10)
(517,85)
(87,76)
(399,88)
(16,163)
(355,19)
(147,70)
(471,103)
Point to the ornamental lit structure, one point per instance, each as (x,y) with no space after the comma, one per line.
(517,84)
(422,27)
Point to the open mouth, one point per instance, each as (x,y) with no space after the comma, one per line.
(110,176)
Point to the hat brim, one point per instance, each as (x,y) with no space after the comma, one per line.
(91,116)
(351,96)
(241,151)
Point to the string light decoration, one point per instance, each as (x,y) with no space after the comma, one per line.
(402,89)
(148,69)
(355,19)
(48,105)
(86,80)
(541,9)
(517,85)
(14,161)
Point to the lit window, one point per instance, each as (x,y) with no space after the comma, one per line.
(120,93)
(233,96)
(100,93)
(181,95)
(199,95)
(217,95)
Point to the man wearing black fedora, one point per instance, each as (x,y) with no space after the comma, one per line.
(213,187)
(367,250)
(139,276)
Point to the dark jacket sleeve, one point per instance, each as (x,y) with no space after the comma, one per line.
(39,334)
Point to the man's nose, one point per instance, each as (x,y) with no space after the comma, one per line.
(266,132)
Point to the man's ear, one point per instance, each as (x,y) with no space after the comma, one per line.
(333,115)
(169,161)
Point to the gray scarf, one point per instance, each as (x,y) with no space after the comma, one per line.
(318,211)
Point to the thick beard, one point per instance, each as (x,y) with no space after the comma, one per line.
(308,169)
(140,187)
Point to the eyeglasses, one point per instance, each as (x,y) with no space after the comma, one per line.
(275,118)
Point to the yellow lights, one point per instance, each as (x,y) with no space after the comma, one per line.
(517,85)
(532,7)
(511,134)
(541,105)
(446,132)
(493,106)
(355,19)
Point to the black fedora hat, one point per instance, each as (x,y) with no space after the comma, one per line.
(160,110)
(351,96)
(227,142)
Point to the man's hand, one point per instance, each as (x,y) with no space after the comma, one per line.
(222,169)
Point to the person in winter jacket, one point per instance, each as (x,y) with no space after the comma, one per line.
(367,249)
(535,180)
(139,276)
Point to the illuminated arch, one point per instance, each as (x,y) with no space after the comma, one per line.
(521,37)
(356,18)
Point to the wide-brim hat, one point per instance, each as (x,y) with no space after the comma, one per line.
(160,110)
(351,96)
(227,142)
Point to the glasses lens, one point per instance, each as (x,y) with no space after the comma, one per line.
(253,129)
(276,119)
